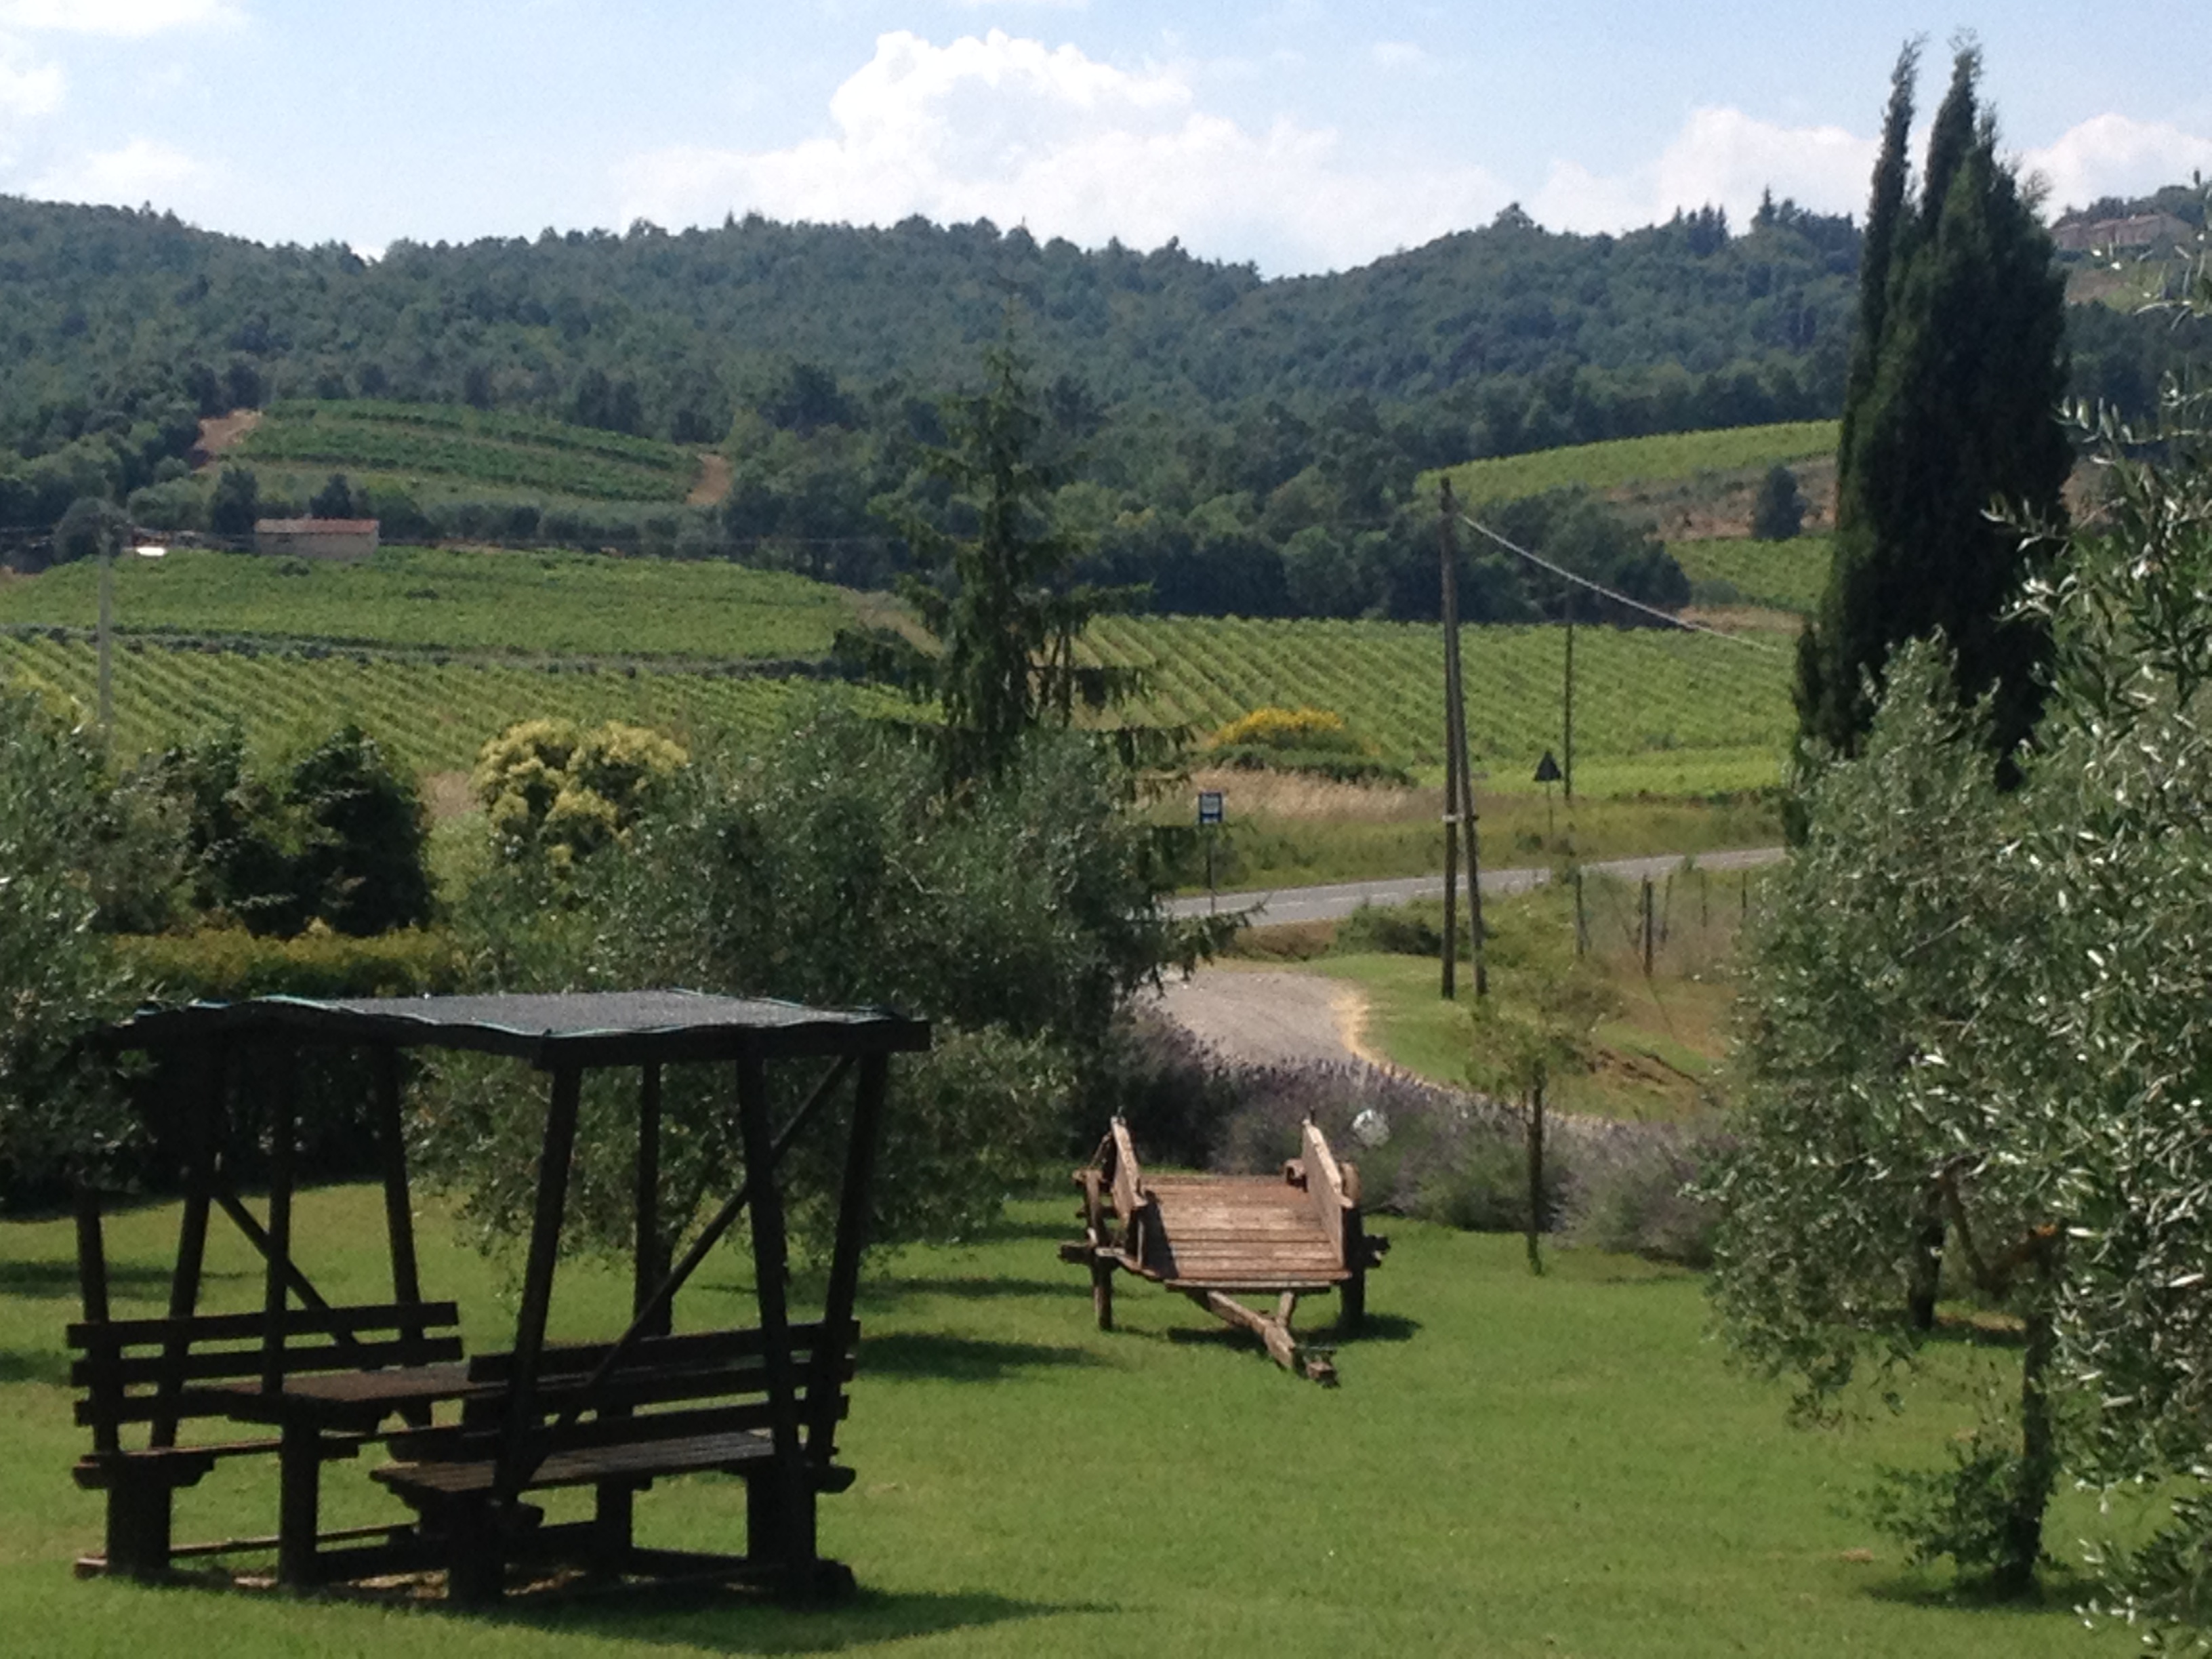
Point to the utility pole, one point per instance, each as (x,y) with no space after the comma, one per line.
(1567,705)
(1446,559)
(1460,804)
(109,536)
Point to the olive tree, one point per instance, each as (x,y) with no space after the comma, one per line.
(56,979)
(1979,1033)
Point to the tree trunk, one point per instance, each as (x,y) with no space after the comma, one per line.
(1927,1273)
(2038,1450)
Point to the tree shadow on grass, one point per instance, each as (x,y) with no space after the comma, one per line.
(51,1369)
(53,1280)
(734,1622)
(2060,1589)
(963,1359)
(979,1288)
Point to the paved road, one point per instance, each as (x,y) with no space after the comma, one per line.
(1332,903)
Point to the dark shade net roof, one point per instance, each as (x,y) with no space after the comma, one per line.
(584,1028)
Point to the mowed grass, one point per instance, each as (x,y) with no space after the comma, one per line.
(1513,1467)
(1634,460)
(538,604)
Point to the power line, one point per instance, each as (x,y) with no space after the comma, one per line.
(1564,574)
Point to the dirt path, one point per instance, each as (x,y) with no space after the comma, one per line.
(220,432)
(713,480)
(1262,1016)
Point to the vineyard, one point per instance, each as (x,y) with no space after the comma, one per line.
(430,717)
(1787,575)
(467,450)
(540,603)
(435,650)
(1637,460)
(1655,710)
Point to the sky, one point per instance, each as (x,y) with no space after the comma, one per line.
(1298,136)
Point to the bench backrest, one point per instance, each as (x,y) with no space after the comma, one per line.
(140,1371)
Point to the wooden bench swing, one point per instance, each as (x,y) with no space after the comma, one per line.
(1217,1237)
(762,1402)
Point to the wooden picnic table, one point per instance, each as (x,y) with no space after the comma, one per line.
(764,1403)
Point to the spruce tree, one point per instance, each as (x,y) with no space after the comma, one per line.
(1951,408)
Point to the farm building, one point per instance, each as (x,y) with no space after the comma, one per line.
(2139,230)
(316,538)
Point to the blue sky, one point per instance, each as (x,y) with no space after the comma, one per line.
(1300,136)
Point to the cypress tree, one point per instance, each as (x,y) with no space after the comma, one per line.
(1951,406)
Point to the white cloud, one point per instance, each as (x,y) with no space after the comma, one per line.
(141,171)
(1721,156)
(2113,156)
(1018,132)
(1398,54)
(28,92)
(133,19)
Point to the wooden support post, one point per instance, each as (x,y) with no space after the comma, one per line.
(651,1263)
(837,1323)
(203,1089)
(104,1386)
(277,1288)
(515,1450)
(299,1504)
(793,1502)
(398,1202)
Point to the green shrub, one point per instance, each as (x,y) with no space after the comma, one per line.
(224,964)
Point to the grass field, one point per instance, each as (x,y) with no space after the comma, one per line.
(441,449)
(1513,1467)
(1636,460)
(1658,1056)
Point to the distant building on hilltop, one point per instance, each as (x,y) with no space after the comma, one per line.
(316,538)
(2136,230)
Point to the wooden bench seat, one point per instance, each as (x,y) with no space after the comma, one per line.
(663,1407)
(159,1375)
(733,1452)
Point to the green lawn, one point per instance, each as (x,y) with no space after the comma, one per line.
(1512,1467)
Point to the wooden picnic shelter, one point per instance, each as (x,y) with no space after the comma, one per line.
(471,1438)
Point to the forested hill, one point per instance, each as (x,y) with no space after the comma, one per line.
(1246,446)
(114,311)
